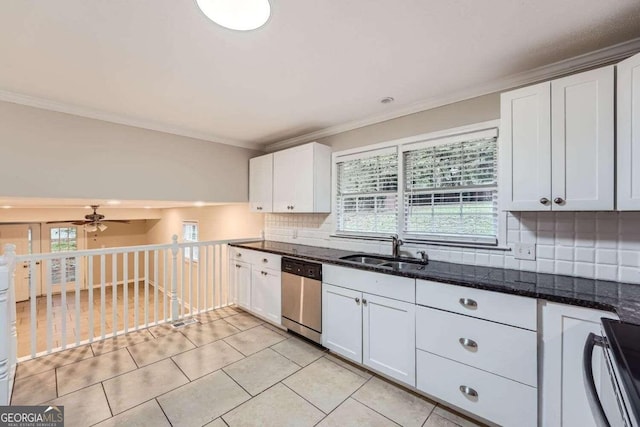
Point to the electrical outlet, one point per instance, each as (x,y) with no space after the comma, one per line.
(524,251)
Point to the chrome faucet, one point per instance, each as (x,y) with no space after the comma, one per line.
(395,245)
(424,257)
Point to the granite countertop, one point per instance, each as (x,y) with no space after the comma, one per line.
(621,298)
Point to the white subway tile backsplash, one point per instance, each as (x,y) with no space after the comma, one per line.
(603,245)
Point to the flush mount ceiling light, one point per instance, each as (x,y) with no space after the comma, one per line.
(242,15)
(387,100)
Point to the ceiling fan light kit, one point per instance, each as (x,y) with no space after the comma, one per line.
(93,221)
(241,15)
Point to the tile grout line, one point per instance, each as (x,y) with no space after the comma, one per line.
(162,409)
(104,392)
(347,398)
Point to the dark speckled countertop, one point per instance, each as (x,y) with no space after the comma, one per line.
(621,298)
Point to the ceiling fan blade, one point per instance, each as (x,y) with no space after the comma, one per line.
(121,221)
(69,221)
(81,222)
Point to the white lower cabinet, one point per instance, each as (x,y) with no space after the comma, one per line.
(388,337)
(492,397)
(240,276)
(265,294)
(564,332)
(376,331)
(342,321)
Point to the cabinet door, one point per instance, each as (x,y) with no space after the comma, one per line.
(261,183)
(525,148)
(293,189)
(629,134)
(565,330)
(265,293)
(342,321)
(241,280)
(389,337)
(582,135)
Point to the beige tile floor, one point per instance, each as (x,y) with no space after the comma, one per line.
(230,369)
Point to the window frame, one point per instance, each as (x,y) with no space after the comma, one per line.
(187,249)
(408,144)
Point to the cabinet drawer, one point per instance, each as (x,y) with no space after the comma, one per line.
(266,260)
(500,349)
(241,254)
(386,285)
(495,306)
(498,399)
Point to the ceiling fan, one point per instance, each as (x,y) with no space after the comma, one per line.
(92,222)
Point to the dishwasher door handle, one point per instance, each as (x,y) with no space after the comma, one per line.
(587,373)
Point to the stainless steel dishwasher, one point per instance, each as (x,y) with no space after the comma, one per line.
(302,297)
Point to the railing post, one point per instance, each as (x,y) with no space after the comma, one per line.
(8,333)
(174,278)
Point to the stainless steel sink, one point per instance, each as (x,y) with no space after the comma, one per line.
(365,259)
(403,265)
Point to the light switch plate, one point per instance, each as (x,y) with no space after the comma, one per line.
(524,251)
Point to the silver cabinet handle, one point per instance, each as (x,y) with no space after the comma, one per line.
(468,391)
(237,265)
(364,301)
(265,260)
(358,301)
(544,201)
(259,208)
(292,207)
(264,273)
(238,255)
(469,303)
(469,344)
(558,200)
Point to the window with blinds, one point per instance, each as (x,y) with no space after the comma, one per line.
(190,234)
(367,193)
(450,189)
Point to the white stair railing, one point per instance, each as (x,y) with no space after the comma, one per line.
(8,341)
(69,302)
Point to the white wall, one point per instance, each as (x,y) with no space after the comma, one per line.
(56,155)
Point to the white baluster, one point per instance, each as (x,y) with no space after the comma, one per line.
(92,331)
(182,281)
(114,291)
(7,310)
(125,290)
(146,289)
(49,280)
(165,291)
(103,296)
(32,302)
(77,298)
(206,277)
(174,278)
(136,289)
(155,287)
(63,301)
(190,263)
(198,284)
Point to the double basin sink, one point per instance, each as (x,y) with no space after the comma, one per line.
(382,261)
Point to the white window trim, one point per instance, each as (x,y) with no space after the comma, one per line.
(188,258)
(411,143)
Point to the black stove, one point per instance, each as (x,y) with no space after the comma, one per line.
(624,342)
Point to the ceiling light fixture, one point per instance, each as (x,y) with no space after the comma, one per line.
(7,207)
(387,100)
(113,202)
(242,15)
(198,204)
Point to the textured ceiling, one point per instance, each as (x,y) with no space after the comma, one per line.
(316,64)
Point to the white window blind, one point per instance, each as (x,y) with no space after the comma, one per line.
(367,193)
(450,190)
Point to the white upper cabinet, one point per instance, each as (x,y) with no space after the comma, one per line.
(525,151)
(582,141)
(261,183)
(557,144)
(302,179)
(629,134)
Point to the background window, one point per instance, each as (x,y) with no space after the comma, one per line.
(451,190)
(63,239)
(190,234)
(367,193)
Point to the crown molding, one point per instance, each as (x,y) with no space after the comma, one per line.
(567,66)
(61,107)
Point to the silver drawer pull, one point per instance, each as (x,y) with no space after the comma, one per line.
(469,303)
(468,391)
(239,255)
(265,260)
(358,301)
(468,344)
(237,265)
